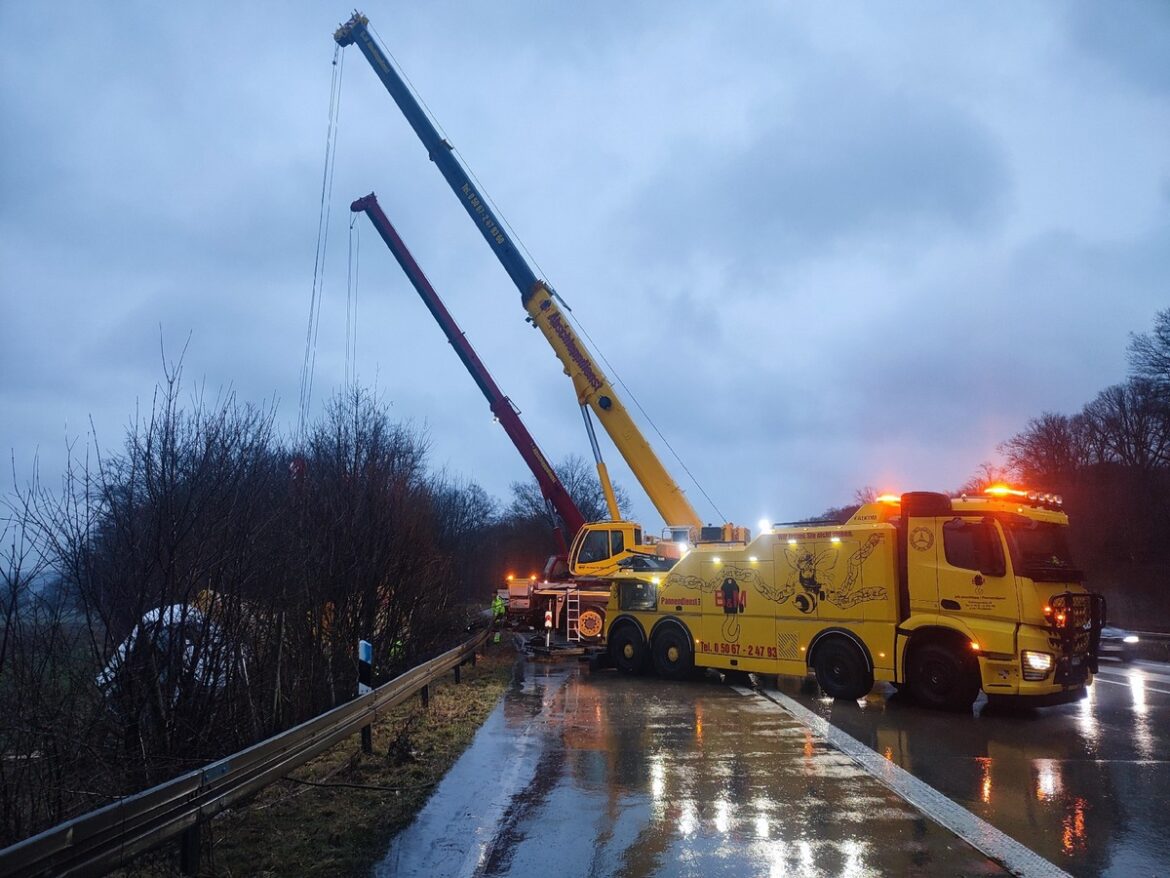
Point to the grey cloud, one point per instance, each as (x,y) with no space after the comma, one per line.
(1131,36)
(830,171)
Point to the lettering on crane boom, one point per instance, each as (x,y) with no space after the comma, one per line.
(575,353)
(368,41)
(482,212)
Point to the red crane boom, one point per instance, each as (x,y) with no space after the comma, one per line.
(554,491)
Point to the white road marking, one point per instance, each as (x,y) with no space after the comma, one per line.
(977,832)
(1128,685)
(1145,670)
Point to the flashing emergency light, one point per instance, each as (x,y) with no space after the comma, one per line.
(1001,490)
(1037,498)
(888,498)
(765,525)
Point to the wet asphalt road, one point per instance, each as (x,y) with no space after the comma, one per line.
(599,775)
(1086,785)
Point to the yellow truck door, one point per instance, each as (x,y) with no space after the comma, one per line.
(972,572)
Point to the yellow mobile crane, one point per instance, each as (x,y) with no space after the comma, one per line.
(598,547)
(943,595)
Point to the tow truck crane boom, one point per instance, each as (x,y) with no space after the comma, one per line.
(539,300)
(554,491)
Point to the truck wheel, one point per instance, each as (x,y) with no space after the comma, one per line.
(627,650)
(841,670)
(941,678)
(590,623)
(673,658)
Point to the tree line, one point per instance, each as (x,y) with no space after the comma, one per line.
(1111,463)
(206,585)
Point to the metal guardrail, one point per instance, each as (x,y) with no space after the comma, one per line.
(1152,645)
(94,843)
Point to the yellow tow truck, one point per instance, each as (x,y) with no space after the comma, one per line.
(943,595)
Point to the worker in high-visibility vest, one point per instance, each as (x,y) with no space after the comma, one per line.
(499,609)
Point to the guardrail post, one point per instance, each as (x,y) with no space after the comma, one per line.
(425,694)
(365,678)
(457,676)
(190,843)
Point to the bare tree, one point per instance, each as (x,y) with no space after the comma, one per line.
(1129,424)
(581,481)
(863,495)
(1050,451)
(1149,352)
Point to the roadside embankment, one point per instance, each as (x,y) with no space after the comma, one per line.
(336,815)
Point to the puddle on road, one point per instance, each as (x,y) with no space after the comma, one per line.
(599,775)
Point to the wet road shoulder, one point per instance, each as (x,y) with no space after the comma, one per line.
(1015,857)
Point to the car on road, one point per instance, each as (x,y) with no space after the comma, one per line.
(1117,643)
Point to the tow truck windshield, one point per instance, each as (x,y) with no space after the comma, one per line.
(1040,550)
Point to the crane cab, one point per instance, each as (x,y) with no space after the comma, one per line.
(602,548)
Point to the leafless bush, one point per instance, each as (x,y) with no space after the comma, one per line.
(207,586)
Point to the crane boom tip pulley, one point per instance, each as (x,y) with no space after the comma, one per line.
(344,33)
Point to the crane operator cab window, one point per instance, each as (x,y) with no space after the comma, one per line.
(599,545)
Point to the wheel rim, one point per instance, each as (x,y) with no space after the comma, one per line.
(939,678)
(672,654)
(628,650)
(590,624)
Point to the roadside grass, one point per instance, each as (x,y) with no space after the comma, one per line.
(336,815)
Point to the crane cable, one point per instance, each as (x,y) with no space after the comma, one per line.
(351,302)
(612,371)
(310,362)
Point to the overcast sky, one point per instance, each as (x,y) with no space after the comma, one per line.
(824,245)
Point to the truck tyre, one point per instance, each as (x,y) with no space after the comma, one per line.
(673,657)
(942,678)
(842,670)
(627,650)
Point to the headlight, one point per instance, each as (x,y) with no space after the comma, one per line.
(1037,665)
(1130,638)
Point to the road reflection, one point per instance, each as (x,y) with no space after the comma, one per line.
(694,778)
(1082,785)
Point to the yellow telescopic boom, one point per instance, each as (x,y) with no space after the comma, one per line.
(594,390)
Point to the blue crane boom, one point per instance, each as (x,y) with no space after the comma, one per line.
(355,32)
(593,388)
